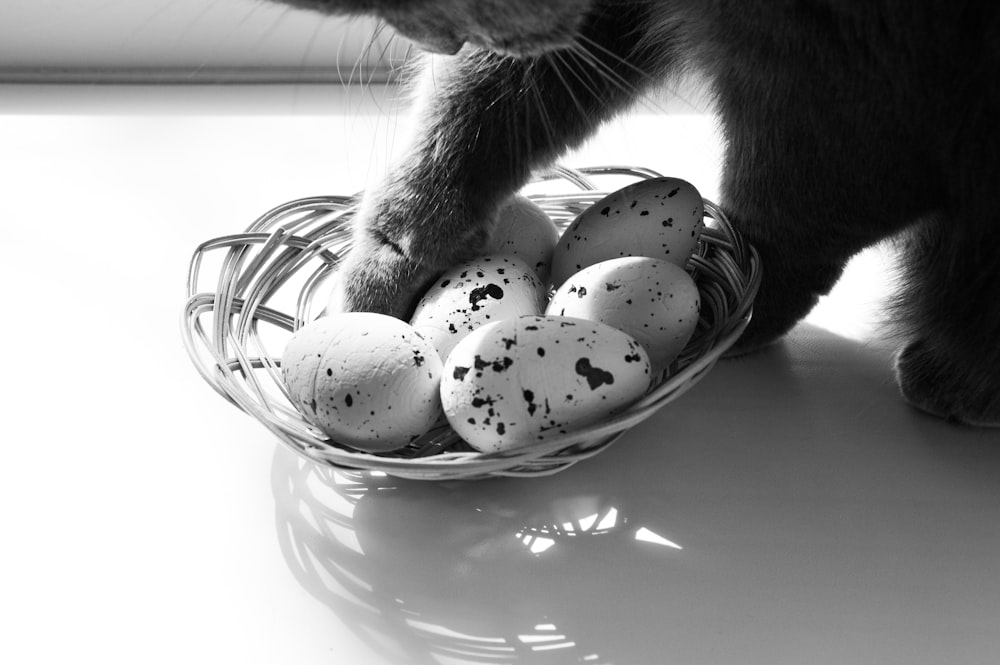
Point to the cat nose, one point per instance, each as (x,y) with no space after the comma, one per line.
(444,45)
(434,40)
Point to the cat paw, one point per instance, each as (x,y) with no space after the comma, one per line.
(377,277)
(754,340)
(770,322)
(932,383)
(788,292)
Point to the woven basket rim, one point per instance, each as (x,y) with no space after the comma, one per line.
(312,233)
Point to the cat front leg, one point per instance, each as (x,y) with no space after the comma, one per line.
(811,180)
(808,198)
(487,122)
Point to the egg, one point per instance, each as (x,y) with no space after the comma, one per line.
(661,218)
(517,381)
(480,291)
(524,230)
(367,380)
(654,301)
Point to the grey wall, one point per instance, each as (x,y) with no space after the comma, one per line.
(186,40)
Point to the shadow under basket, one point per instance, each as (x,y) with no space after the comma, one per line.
(248,292)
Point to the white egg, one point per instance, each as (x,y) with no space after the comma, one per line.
(661,218)
(654,301)
(483,290)
(367,380)
(524,230)
(522,380)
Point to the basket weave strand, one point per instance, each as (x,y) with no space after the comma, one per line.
(270,281)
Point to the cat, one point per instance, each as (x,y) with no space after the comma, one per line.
(845,123)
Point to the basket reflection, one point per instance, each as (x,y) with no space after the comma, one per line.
(454,571)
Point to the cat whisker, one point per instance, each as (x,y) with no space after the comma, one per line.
(543,113)
(310,45)
(338,59)
(592,48)
(514,150)
(654,80)
(150,18)
(583,73)
(605,70)
(389,115)
(382,58)
(357,71)
(613,77)
(271,29)
(192,23)
(246,17)
(557,63)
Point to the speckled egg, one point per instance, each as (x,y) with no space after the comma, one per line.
(483,290)
(524,230)
(517,381)
(654,301)
(661,218)
(367,380)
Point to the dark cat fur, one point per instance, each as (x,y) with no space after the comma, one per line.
(846,123)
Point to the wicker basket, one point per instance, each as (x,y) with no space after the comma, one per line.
(273,278)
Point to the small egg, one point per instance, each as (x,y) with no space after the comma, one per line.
(517,381)
(654,301)
(367,380)
(524,230)
(661,218)
(480,291)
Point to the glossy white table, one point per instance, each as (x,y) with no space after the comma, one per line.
(789,509)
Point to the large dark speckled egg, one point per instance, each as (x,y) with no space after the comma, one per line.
(517,381)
